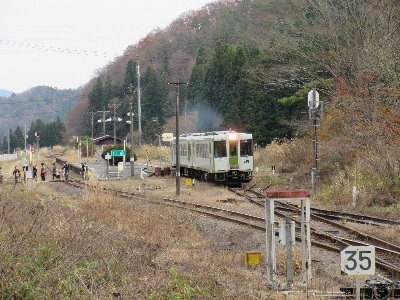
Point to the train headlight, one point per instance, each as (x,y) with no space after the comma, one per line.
(232,137)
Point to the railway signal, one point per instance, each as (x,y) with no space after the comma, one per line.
(315,113)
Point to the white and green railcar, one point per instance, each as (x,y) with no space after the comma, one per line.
(222,156)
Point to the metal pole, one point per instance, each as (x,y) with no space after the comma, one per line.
(104,122)
(115,129)
(303,243)
(91,154)
(25,140)
(139,107)
(268,240)
(38,154)
(289,253)
(159,144)
(308,234)
(315,169)
(178,163)
(132,153)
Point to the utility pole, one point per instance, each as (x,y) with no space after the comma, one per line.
(25,139)
(132,153)
(115,106)
(92,125)
(177,146)
(37,139)
(103,119)
(139,106)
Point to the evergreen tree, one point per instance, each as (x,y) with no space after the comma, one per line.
(96,97)
(108,91)
(13,142)
(19,138)
(196,83)
(130,76)
(4,145)
(153,102)
(37,127)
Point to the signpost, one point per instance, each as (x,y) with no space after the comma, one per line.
(358,260)
(108,157)
(167,137)
(118,152)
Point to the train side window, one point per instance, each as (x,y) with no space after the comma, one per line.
(220,149)
(246,148)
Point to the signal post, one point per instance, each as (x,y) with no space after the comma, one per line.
(287,195)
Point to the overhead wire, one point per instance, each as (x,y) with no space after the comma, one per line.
(31,46)
(33,101)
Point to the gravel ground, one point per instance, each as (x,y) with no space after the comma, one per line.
(325,265)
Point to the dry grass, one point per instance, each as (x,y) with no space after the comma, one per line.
(60,243)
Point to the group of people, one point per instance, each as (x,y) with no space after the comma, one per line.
(61,174)
(17,173)
(58,174)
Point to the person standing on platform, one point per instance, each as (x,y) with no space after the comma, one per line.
(17,175)
(43,172)
(54,171)
(34,172)
(65,169)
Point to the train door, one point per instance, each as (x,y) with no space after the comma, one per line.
(220,164)
(189,153)
(233,154)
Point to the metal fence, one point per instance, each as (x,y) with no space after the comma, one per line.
(7,157)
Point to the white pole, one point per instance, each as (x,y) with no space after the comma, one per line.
(139,107)
(308,218)
(159,143)
(25,140)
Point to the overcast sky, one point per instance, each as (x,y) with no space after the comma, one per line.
(61,43)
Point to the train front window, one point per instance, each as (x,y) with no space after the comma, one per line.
(232,148)
(219,148)
(246,148)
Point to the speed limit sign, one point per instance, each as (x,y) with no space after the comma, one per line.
(358,260)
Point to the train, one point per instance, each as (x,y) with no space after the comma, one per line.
(218,156)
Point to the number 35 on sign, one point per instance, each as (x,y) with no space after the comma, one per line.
(358,260)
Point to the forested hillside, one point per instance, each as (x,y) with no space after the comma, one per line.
(242,53)
(250,65)
(38,108)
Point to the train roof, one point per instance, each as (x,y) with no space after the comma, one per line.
(210,133)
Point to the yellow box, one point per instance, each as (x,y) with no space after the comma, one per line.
(189,181)
(252,258)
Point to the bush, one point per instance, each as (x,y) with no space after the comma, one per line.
(118,159)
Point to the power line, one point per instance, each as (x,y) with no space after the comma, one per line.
(37,114)
(34,101)
(31,46)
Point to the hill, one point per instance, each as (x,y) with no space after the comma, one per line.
(42,102)
(5,93)
(252,64)
(197,41)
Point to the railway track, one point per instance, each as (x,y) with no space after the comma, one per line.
(329,226)
(387,255)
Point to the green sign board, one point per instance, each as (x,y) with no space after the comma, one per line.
(118,152)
